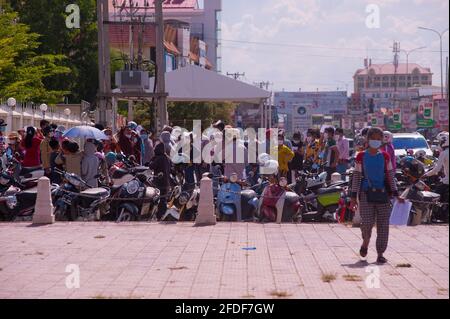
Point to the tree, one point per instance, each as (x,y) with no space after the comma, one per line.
(23,73)
(184,113)
(48,18)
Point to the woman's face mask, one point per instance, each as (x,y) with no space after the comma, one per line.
(375,144)
(128,135)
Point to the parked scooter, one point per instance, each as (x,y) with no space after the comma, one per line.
(318,203)
(16,202)
(235,203)
(279,204)
(418,192)
(136,200)
(183,204)
(125,172)
(76,200)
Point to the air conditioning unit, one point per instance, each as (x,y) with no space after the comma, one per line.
(132,80)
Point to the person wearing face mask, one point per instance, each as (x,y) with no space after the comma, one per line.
(90,164)
(388,147)
(13,150)
(331,152)
(147,149)
(129,143)
(285,155)
(296,164)
(373,183)
(312,148)
(343,146)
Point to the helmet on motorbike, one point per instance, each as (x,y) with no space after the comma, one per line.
(412,167)
(387,137)
(111,158)
(443,139)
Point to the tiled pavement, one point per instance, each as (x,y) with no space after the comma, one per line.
(142,260)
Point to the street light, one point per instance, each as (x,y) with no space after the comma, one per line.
(11,102)
(44,109)
(440,34)
(408,52)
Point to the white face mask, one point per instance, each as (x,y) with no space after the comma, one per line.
(309,139)
(128,135)
(325,136)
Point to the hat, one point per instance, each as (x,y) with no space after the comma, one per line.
(13,135)
(2,122)
(132,125)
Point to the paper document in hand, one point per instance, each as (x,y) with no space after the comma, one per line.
(400,213)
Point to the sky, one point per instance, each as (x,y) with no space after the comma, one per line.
(319,44)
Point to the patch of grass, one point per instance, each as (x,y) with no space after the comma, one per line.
(69,243)
(404,265)
(442,291)
(99,237)
(178,268)
(328,277)
(1,269)
(39,253)
(248,297)
(280,294)
(352,278)
(100,297)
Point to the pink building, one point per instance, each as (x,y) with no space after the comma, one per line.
(192,32)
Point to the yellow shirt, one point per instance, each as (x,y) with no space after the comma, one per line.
(285,155)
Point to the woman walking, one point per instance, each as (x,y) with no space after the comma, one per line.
(31,146)
(374,185)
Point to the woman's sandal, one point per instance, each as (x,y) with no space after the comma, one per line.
(363,252)
(381,260)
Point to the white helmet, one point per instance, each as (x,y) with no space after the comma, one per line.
(387,137)
(443,139)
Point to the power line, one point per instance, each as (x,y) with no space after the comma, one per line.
(311,46)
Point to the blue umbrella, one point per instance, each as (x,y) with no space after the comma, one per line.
(87,132)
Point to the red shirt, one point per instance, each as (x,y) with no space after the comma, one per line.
(32,157)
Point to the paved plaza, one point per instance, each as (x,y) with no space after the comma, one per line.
(229,260)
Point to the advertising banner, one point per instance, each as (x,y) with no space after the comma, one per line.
(395,120)
(425,114)
(408,116)
(301,118)
(443,114)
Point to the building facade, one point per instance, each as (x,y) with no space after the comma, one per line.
(191,34)
(298,111)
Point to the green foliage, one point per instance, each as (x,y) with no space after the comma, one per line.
(23,73)
(48,18)
(184,113)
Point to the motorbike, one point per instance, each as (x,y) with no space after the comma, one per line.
(125,171)
(423,201)
(135,200)
(75,200)
(318,203)
(183,204)
(234,203)
(16,202)
(279,204)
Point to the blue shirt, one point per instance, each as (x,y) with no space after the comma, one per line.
(374,167)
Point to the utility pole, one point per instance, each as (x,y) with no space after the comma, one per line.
(160,65)
(236,75)
(396,51)
(103,59)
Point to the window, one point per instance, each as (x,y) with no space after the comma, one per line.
(406,143)
(425,78)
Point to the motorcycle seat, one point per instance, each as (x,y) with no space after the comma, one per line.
(331,190)
(28,170)
(140,169)
(429,196)
(119,173)
(32,190)
(101,192)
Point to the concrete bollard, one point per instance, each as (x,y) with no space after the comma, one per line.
(43,211)
(206,216)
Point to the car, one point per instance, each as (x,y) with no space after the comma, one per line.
(404,142)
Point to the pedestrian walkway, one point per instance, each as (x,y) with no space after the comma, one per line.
(229,260)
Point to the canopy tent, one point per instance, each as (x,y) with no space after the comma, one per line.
(193,83)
